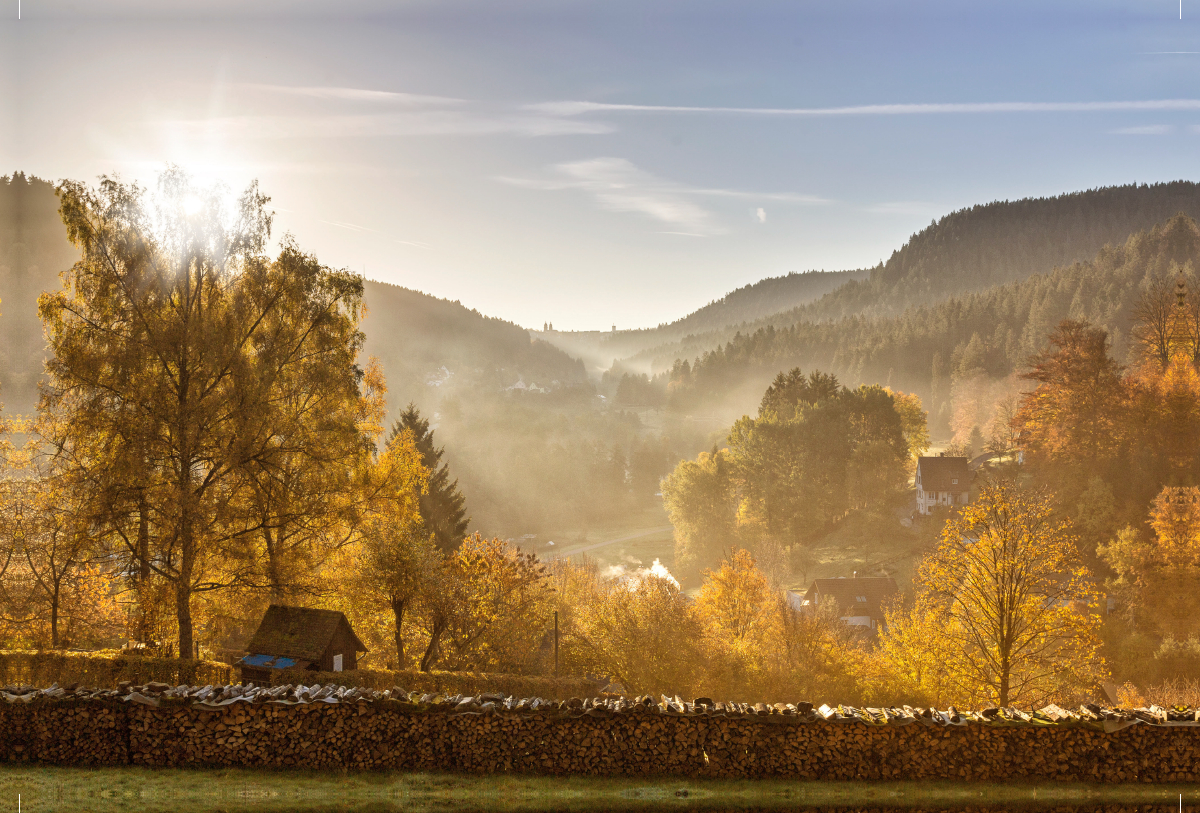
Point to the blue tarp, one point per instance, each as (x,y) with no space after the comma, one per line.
(268,661)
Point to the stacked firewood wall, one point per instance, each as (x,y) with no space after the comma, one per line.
(328,727)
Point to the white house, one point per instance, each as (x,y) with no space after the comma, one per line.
(942,482)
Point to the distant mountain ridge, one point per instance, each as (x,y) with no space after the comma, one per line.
(424,342)
(950,351)
(33,250)
(969,250)
(415,335)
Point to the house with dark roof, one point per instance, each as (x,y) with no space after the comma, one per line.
(860,601)
(942,482)
(300,638)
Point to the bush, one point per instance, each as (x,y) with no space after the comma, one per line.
(106,669)
(447,683)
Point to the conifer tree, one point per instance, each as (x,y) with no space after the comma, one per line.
(443,507)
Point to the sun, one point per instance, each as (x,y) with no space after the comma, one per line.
(192,204)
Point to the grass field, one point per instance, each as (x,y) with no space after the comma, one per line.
(134,790)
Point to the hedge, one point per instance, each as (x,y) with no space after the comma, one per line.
(106,669)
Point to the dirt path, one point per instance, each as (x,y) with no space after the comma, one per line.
(561,554)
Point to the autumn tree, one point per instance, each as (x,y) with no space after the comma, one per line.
(1155,319)
(913,662)
(54,586)
(645,635)
(736,600)
(1158,575)
(1072,422)
(914,424)
(303,483)
(701,502)
(395,559)
(485,608)
(178,347)
(1014,598)
(760,646)
(443,507)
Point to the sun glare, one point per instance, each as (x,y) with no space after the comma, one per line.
(192,204)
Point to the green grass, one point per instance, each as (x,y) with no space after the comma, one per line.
(109,790)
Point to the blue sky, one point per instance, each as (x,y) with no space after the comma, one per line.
(600,163)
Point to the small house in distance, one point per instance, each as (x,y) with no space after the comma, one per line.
(942,482)
(300,638)
(859,600)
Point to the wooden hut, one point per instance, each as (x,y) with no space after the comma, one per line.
(300,638)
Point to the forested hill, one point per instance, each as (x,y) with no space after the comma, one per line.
(33,250)
(743,306)
(415,335)
(969,250)
(964,343)
(1006,241)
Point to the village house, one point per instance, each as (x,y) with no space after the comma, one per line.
(860,601)
(942,482)
(300,638)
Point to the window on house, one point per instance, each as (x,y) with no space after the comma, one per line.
(337,663)
(861,599)
(954,481)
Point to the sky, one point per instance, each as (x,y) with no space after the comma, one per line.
(620,162)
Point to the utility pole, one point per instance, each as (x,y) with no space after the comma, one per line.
(556,644)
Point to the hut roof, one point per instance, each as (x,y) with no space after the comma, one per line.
(299,632)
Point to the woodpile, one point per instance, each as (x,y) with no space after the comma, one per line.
(328,726)
(464,683)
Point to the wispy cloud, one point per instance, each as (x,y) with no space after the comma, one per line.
(356,228)
(618,185)
(408,123)
(577,108)
(354,94)
(1149,129)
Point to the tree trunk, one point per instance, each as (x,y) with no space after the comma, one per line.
(183,587)
(143,577)
(273,577)
(398,612)
(431,651)
(54,620)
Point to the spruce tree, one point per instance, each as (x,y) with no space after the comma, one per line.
(443,508)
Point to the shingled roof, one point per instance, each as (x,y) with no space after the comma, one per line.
(855,597)
(299,632)
(949,474)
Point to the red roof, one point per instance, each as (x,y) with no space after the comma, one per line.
(855,596)
(935,474)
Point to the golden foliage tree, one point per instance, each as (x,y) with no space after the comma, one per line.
(486,608)
(55,593)
(1017,605)
(1072,422)
(702,505)
(912,662)
(203,391)
(1158,578)
(645,635)
(393,560)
